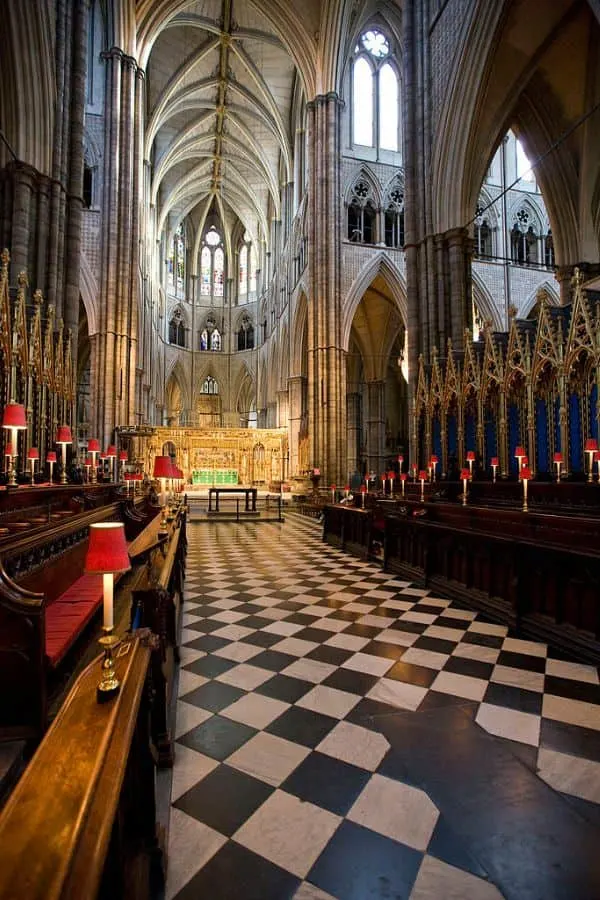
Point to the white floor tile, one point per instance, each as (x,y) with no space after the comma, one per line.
(574,712)
(294,646)
(191,845)
(397,693)
(255,710)
(572,670)
(245,676)
(188,716)
(238,651)
(356,745)
(366,662)
(396,810)
(570,774)
(509,723)
(520,678)
(188,681)
(329,701)
(189,768)
(460,685)
(531,648)
(428,658)
(312,670)
(439,881)
(290,832)
(347,641)
(268,758)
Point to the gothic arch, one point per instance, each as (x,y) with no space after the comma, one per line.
(380,264)
(550,288)
(298,346)
(364,173)
(176,373)
(284,360)
(485,303)
(88,287)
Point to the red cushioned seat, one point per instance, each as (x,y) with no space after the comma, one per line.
(68,615)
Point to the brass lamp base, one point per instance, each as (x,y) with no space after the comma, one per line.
(109,685)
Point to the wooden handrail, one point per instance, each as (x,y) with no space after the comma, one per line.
(56,827)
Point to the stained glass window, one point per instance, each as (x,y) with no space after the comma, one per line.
(253,267)
(205,261)
(218,267)
(388,108)
(243,271)
(363,103)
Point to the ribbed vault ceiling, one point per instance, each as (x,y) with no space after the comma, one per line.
(220,92)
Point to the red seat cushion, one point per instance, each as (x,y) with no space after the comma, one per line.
(68,615)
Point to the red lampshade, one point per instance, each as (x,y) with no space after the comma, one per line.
(400,459)
(33,453)
(525,461)
(162,467)
(558,458)
(51,456)
(8,450)
(597,456)
(470,455)
(391,475)
(111,450)
(93,445)
(346,487)
(465,474)
(526,473)
(435,460)
(422,475)
(591,445)
(107,549)
(123,455)
(138,476)
(494,461)
(88,461)
(404,476)
(520,451)
(63,435)
(332,487)
(14,416)
(363,489)
(103,455)
(128,476)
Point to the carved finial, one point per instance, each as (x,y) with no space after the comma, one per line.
(38,298)
(577,279)
(512,311)
(5,257)
(541,297)
(22,280)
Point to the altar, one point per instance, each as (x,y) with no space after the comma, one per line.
(214,456)
(214,476)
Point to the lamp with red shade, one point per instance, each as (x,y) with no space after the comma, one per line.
(520,453)
(403,480)
(93,449)
(591,446)
(470,460)
(363,491)
(465,475)
(87,465)
(494,462)
(525,477)
(111,454)
(162,471)
(107,556)
(557,459)
(434,462)
(8,452)
(51,459)
(14,419)
(422,478)
(33,454)
(123,456)
(64,437)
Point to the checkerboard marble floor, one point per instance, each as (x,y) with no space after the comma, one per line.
(342,733)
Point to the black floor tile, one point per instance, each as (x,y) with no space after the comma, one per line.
(451,622)
(473,668)
(419,675)
(254,621)
(409,627)
(213,696)
(436,645)
(224,799)
(217,737)
(317,635)
(343,616)
(235,873)
(386,651)
(435,700)
(484,640)
(250,608)
(208,643)
(358,864)
(284,687)
(514,698)
(574,690)
(293,606)
(570,739)
(445,845)
(262,639)
(302,726)
(206,610)
(522,661)
(335,656)
(205,626)
(209,666)
(273,660)
(366,711)
(327,782)
(351,681)
(365,631)
(301,619)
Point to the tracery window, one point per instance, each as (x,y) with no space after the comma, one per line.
(210,385)
(245,337)
(523,239)
(482,233)
(247,269)
(394,217)
(176,263)
(177,329)
(210,336)
(361,213)
(375,94)
(212,265)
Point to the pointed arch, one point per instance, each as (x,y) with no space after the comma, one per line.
(298,346)
(485,302)
(88,287)
(380,264)
(553,298)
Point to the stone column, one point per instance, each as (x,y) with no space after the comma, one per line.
(295,392)
(326,358)
(282,409)
(375,425)
(353,430)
